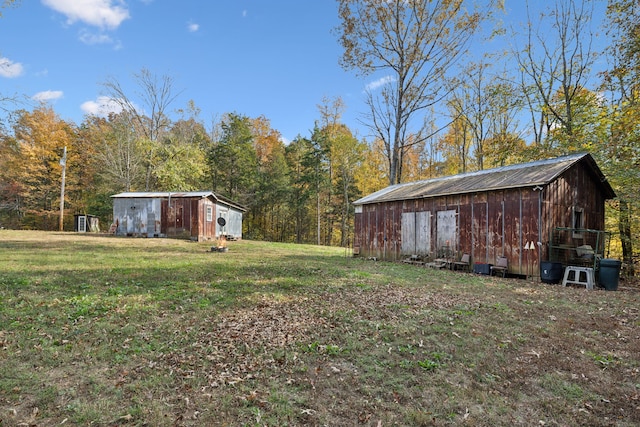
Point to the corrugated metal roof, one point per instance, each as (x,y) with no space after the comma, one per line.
(156,194)
(178,194)
(529,174)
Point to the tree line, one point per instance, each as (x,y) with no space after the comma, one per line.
(438,111)
(299,192)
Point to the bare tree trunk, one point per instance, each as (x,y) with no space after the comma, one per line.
(624,226)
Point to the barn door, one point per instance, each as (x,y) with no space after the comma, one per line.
(447,230)
(423,233)
(416,233)
(409,233)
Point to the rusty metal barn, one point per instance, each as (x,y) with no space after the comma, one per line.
(528,213)
(197,215)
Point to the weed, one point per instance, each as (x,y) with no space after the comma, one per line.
(317,348)
(431,363)
(501,307)
(406,364)
(603,360)
(407,348)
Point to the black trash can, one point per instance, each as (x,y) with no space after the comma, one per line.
(609,274)
(551,272)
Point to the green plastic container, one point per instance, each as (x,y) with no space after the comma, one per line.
(609,274)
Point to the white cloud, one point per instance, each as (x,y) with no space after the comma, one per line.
(47,95)
(284,140)
(193,27)
(101,107)
(10,69)
(379,83)
(105,14)
(90,38)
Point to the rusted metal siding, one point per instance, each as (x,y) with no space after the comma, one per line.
(480,230)
(465,224)
(576,189)
(207,220)
(530,232)
(177,217)
(484,225)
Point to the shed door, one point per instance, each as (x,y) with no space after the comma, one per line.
(447,230)
(151,223)
(416,233)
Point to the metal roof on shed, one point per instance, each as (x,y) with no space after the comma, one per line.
(178,194)
(162,194)
(530,174)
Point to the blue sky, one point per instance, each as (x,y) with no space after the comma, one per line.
(276,58)
(254,57)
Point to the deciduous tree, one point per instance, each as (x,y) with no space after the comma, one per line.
(413,45)
(371,176)
(347,153)
(556,60)
(620,157)
(118,150)
(40,137)
(270,209)
(148,110)
(182,160)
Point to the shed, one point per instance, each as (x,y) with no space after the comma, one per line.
(83,223)
(509,211)
(197,215)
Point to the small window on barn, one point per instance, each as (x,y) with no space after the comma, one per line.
(578,222)
(209,213)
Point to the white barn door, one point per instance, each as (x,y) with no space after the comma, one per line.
(447,230)
(416,233)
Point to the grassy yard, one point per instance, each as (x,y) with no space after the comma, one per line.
(108,331)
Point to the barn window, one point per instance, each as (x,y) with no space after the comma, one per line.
(578,222)
(209,213)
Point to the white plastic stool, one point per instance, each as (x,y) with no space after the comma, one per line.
(588,273)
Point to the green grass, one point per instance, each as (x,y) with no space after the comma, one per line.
(107,331)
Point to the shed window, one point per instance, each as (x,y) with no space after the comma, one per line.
(578,222)
(209,213)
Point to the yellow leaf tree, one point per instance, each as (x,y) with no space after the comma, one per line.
(40,137)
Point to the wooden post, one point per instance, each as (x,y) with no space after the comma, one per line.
(63,163)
